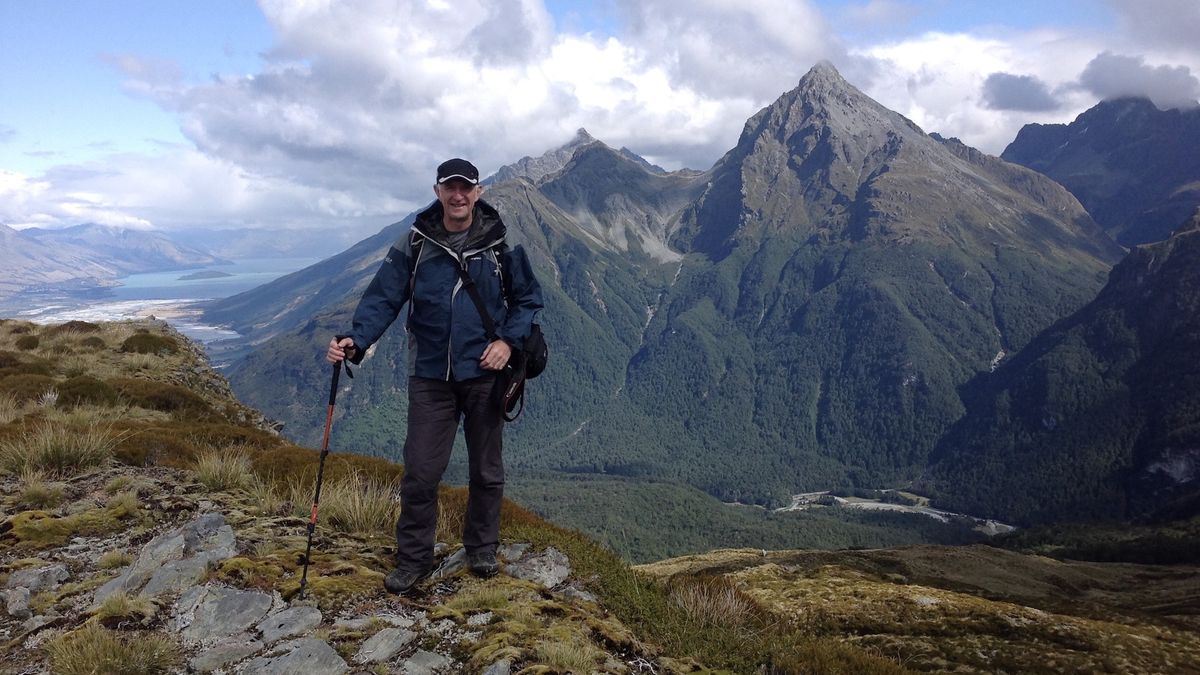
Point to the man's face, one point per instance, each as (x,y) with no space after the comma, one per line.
(458,199)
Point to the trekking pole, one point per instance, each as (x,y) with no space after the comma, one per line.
(312,522)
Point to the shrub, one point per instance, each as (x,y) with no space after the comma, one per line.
(21,328)
(9,359)
(27,387)
(93,649)
(85,389)
(56,451)
(71,327)
(13,364)
(148,343)
(223,469)
(715,601)
(159,395)
(93,342)
(28,342)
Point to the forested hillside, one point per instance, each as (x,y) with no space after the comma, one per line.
(1099,417)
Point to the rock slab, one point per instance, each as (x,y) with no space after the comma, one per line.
(384,645)
(306,655)
(547,569)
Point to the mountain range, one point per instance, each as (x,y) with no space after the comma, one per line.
(801,315)
(87,256)
(1134,167)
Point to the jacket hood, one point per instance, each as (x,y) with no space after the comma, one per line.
(486,227)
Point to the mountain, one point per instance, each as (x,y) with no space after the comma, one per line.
(1134,167)
(845,273)
(798,317)
(129,251)
(535,168)
(26,262)
(242,243)
(1099,417)
(87,257)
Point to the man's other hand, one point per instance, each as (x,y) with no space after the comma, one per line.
(495,357)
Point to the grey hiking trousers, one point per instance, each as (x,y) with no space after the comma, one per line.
(434,410)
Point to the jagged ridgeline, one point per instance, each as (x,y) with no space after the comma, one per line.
(799,316)
(1099,417)
(1132,166)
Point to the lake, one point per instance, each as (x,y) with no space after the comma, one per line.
(164,295)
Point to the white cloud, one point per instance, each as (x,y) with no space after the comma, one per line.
(1113,76)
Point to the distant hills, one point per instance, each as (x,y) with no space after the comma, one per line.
(1134,167)
(800,316)
(87,255)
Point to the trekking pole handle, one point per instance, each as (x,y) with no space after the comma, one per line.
(337,371)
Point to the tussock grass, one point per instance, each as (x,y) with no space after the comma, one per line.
(264,496)
(57,451)
(93,649)
(121,608)
(10,408)
(351,503)
(48,398)
(124,502)
(452,513)
(568,656)
(484,596)
(715,601)
(224,469)
(114,559)
(37,492)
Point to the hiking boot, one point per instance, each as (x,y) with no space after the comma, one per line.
(402,582)
(483,563)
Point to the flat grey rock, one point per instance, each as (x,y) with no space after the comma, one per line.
(220,612)
(175,576)
(451,565)
(289,622)
(499,668)
(309,656)
(511,552)
(547,569)
(224,653)
(38,579)
(363,622)
(384,645)
(424,663)
(16,601)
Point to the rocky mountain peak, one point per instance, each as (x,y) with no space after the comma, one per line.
(552,161)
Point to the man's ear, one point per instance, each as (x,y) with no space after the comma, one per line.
(480,186)
(435,191)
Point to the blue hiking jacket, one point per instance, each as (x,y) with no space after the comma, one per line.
(446,335)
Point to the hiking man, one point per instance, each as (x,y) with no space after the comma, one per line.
(452,361)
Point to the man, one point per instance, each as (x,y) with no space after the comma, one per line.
(453,361)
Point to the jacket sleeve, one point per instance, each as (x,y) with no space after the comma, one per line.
(382,301)
(524,298)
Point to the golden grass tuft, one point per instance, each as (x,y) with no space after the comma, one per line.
(715,601)
(93,649)
(36,492)
(349,503)
(10,408)
(120,609)
(263,495)
(224,469)
(111,560)
(57,451)
(572,656)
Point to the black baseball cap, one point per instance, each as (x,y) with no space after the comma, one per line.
(457,168)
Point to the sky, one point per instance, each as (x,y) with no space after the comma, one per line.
(333,114)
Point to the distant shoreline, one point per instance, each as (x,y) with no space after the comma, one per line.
(205,274)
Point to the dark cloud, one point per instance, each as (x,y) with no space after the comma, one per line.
(1113,76)
(1005,91)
